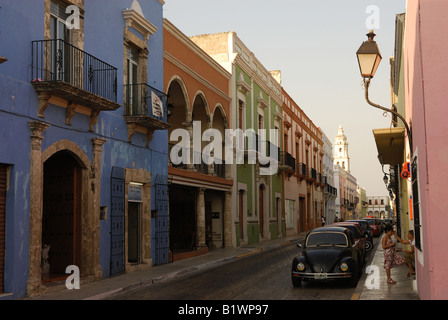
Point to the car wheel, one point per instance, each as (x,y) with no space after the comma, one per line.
(353,282)
(369,246)
(296,282)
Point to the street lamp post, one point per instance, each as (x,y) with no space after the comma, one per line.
(369,58)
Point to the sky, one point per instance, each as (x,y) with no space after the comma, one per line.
(313,43)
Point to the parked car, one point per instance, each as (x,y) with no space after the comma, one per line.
(375,225)
(367,231)
(328,253)
(358,234)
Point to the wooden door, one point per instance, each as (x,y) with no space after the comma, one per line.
(208,224)
(301,226)
(261,209)
(117,223)
(2,224)
(240,212)
(61,223)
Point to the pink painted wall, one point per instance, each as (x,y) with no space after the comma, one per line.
(426,90)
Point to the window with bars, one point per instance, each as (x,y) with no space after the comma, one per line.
(416,203)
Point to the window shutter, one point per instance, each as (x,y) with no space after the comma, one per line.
(58,10)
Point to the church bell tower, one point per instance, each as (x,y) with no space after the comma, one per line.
(341,157)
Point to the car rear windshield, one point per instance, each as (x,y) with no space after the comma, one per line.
(326,239)
(363,224)
(370,221)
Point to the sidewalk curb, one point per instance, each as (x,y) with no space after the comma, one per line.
(130,281)
(362,280)
(188,270)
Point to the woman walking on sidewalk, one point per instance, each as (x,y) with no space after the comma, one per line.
(391,258)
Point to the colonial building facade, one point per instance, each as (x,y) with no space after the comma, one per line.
(256,111)
(304,181)
(379,207)
(330,191)
(84,138)
(200,192)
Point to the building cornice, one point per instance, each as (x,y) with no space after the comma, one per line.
(171,28)
(247,61)
(168,56)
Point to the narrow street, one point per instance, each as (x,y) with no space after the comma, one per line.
(264,276)
(177,150)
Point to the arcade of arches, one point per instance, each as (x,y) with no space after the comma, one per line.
(199,193)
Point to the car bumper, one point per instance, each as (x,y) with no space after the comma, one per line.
(320,276)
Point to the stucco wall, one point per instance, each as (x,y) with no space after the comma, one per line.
(425,64)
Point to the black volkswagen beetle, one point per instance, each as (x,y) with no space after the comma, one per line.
(329,253)
(367,231)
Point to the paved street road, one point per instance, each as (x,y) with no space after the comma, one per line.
(264,276)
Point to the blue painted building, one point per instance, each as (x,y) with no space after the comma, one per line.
(83,141)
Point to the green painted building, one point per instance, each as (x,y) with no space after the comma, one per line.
(257,195)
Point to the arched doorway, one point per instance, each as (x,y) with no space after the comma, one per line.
(61,218)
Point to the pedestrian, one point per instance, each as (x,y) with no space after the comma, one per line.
(391,258)
(323,220)
(409,256)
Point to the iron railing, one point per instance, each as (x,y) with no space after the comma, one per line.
(59,61)
(220,169)
(288,160)
(313,174)
(144,100)
(302,169)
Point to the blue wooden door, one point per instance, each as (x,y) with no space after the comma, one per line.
(117,222)
(160,223)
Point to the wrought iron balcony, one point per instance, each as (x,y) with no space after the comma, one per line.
(301,170)
(145,106)
(61,70)
(287,163)
(313,174)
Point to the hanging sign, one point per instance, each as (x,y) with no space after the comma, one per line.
(157,105)
(406,172)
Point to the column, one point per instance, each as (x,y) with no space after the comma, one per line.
(94,220)
(189,127)
(200,219)
(34,285)
(228,220)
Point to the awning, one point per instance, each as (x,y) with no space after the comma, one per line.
(390,144)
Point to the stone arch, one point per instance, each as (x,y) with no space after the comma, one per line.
(72,148)
(263,205)
(178,79)
(221,109)
(89,191)
(200,94)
